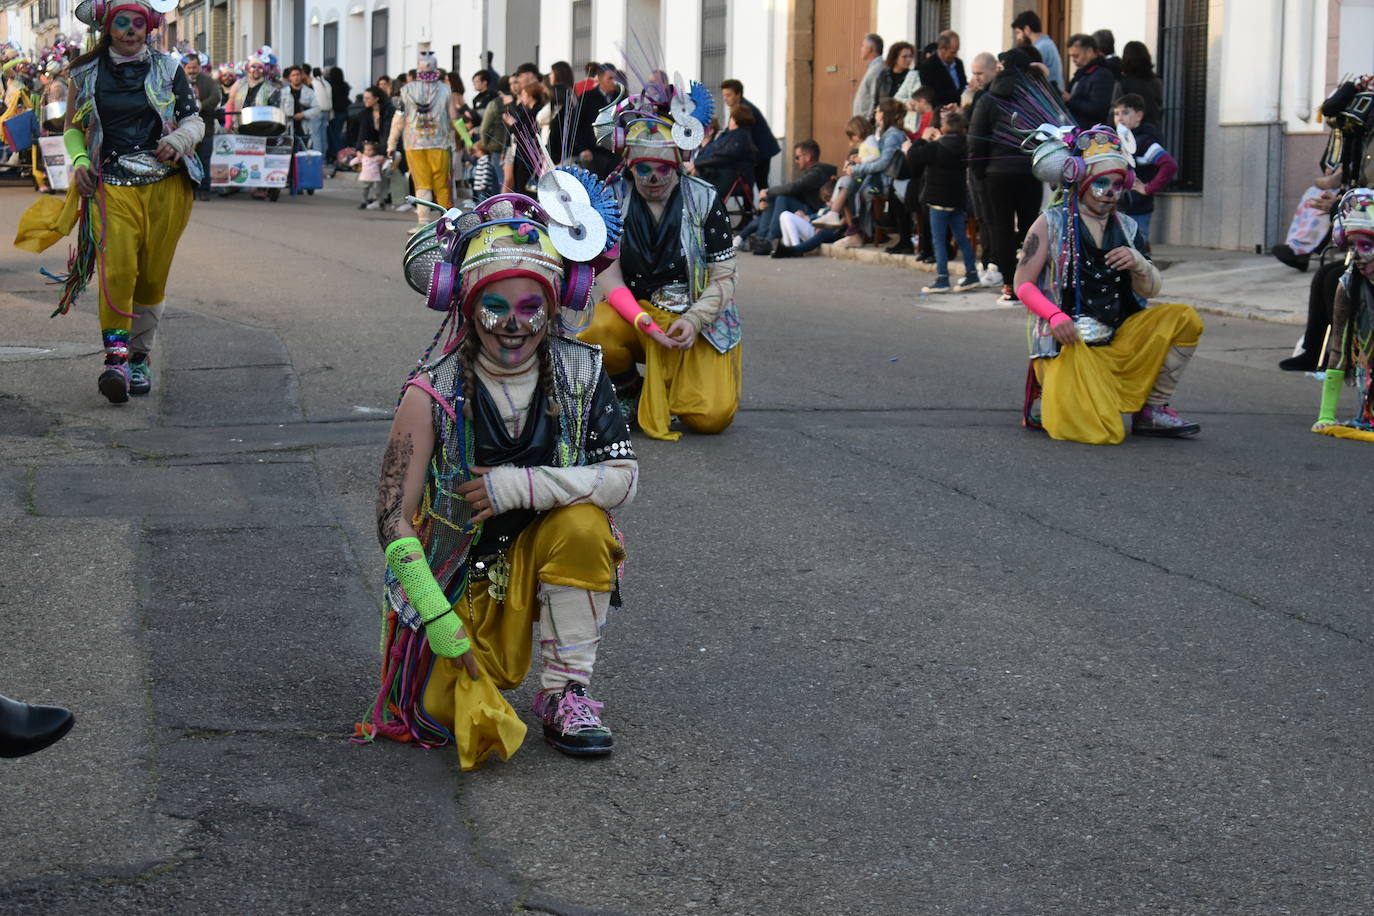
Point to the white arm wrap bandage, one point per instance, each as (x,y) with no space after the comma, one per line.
(188,133)
(607,485)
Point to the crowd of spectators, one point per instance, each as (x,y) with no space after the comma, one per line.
(928,162)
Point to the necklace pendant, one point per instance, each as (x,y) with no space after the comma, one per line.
(498,574)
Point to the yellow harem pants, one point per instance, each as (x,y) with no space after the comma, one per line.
(699,385)
(143,225)
(429,171)
(570,546)
(1085,390)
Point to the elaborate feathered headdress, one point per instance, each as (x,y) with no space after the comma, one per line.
(1062,154)
(559,240)
(1353,213)
(664,120)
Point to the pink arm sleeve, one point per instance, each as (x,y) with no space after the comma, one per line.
(627,306)
(1036,301)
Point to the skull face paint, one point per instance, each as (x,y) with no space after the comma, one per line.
(655,179)
(1362,243)
(128,31)
(1101,193)
(512,320)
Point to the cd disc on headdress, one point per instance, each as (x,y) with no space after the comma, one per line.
(688,133)
(583,238)
(558,192)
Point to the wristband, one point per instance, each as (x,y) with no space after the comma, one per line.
(1032,298)
(1331,395)
(628,307)
(406,558)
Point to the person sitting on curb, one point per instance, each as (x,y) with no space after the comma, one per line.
(802,194)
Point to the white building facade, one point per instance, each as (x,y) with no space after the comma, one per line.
(1242,77)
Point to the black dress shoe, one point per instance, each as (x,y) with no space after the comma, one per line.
(785,251)
(761,247)
(1287,255)
(1303,362)
(25,729)
(899,248)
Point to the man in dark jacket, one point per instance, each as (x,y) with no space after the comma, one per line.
(586,151)
(1089,98)
(765,144)
(802,194)
(209,97)
(943,72)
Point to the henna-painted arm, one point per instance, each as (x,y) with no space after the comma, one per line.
(405,466)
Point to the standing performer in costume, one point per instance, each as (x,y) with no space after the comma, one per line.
(1098,349)
(504,458)
(425,122)
(676,270)
(1351,342)
(132,130)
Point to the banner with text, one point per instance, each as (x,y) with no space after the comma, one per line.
(237,161)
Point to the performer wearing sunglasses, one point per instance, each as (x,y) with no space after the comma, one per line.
(132,130)
(670,298)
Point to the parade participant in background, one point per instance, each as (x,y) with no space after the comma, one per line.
(132,130)
(1350,351)
(504,458)
(425,120)
(208,97)
(18,72)
(258,86)
(676,270)
(1096,351)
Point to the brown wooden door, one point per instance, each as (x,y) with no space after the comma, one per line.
(840,26)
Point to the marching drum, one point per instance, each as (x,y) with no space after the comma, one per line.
(262,121)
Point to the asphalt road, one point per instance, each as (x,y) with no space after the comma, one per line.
(883,650)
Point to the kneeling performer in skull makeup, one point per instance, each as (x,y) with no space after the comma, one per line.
(1098,348)
(504,459)
(669,300)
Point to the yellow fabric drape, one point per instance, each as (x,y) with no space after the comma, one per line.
(1347,432)
(1085,390)
(143,224)
(572,546)
(700,385)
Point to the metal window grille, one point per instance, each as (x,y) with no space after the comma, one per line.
(714,18)
(581,33)
(379,30)
(330,39)
(1182,68)
(932,18)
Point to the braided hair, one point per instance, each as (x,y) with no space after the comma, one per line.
(467,354)
(546,378)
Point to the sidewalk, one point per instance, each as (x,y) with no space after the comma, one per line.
(1220,282)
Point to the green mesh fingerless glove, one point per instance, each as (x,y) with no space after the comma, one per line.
(1331,395)
(406,557)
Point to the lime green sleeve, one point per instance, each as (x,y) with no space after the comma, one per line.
(75,140)
(406,558)
(1331,395)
